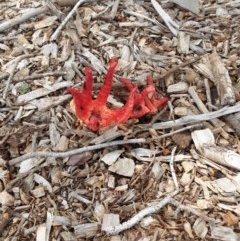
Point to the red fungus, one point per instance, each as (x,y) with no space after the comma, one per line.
(95,114)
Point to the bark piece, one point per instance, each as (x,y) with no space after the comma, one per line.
(222,80)
(205,143)
(213,68)
(111,157)
(124,167)
(86,230)
(110,220)
(180,87)
(193,5)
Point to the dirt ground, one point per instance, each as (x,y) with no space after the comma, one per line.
(171,174)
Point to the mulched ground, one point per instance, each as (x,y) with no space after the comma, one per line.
(61,181)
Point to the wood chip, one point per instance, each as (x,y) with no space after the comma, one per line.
(123,166)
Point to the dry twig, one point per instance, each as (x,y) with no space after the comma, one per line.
(64,22)
(191,119)
(74,152)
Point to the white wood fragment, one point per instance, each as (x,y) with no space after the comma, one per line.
(204,204)
(41,180)
(200,228)
(183,42)
(213,68)
(222,156)
(99,210)
(121,188)
(188,229)
(203,137)
(111,181)
(185,179)
(38,192)
(50,50)
(204,187)
(157,171)
(143,154)
(226,184)
(232,208)
(80,198)
(147,221)
(61,220)
(222,233)
(86,230)
(41,233)
(48,225)
(187,166)
(123,166)
(194,5)
(62,144)
(6,199)
(220,12)
(172,25)
(56,173)
(111,157)
(28,164)
(110,220)
(180,87)
(222,80)
(46,22)
(182,111)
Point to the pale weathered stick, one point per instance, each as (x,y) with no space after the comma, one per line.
(73,152)
(61,26)
(173,26)
(114,10)
(22,18)
(191,119)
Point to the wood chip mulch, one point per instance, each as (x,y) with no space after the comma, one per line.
(169,176)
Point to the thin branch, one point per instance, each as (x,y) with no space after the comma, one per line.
(191,119)
(173,26)
(176,131)
(21,18)
(73,152)
(172,168)
(62,25)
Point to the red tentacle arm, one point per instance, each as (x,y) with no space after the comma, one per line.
(105,90)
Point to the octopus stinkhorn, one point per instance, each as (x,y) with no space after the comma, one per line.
(95,113)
